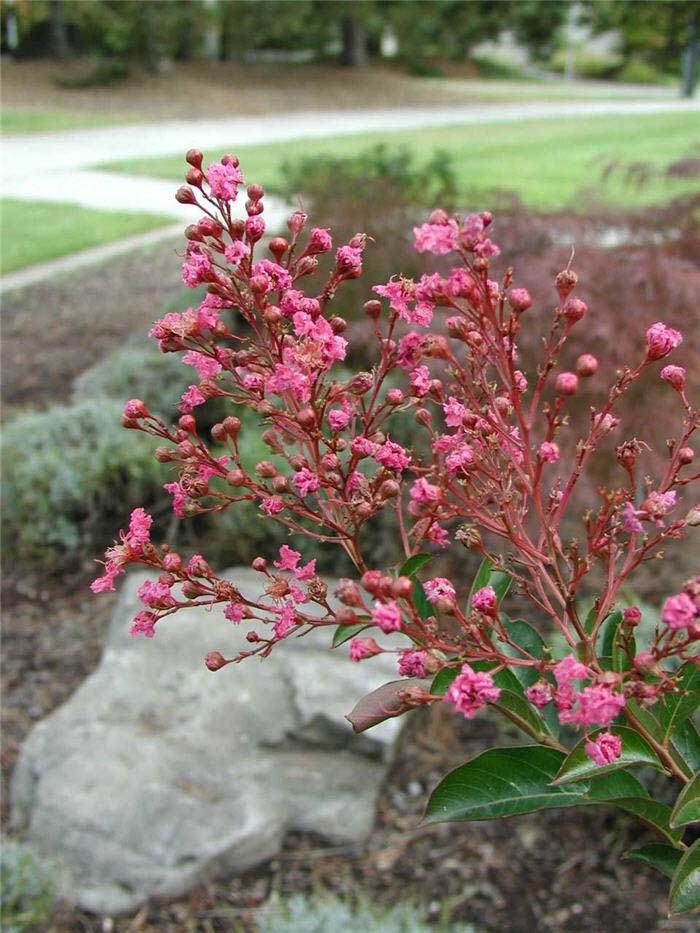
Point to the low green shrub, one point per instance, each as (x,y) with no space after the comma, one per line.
(638,71)
(105,72)
(69,474)
(26,890)
(587,65)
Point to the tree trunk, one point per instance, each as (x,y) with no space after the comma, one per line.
(59,35)
(354,43)
(692,54)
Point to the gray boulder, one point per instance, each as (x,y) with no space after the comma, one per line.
(158,773)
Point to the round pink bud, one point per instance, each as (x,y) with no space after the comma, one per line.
(485,600)
(575,309)
(215,661)
(549,452)
(661,340)
(566,384)
(519,299)
(194,158)
(185,195)
(394,396)
(371,581)
(675,376)
(135,409)
(632,616)
(586,365)
(686,455)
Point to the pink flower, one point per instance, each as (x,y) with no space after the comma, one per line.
(424,493)
(569,669)
(363,446)
(549,452)
(155,595)
(319,241)
(288,559)
(179,498)
(485,600)
(392,456)
(387,616)
(438,239)
(338,420)
(272,505)
(348,260)
(144,624)
(454,412)
(412,664)
(438,589)
(595,706)
(255,227)
(630,519)
(207,368)
(361,648)
(679,612)
(471,691)
(190,399)
(224,181)
(306,482)
(276,276)
(234,612)
(307,572)
(286,622)
(410,350)
(605,750)
(460,459)
(139,530)
(539,694)
(135,409)
(661,340)
(196,268)
(420,381)
(237,251)
(675,376)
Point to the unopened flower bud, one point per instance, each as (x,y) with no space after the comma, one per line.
(259,565)
(575,309)
(306,418)
(519,299)
(348,594)
(278,246)
(265,469)
(565,283)
(389,489)
(236,477)
(272,316)
(631,616)
(346,616)
(232,425)
(185,195)
(675,376)
(371,581)
(215,661)
(423,417)
(192,232)
(194,158)
(686,455)
(361,383)
(218,432)
(255,192)
(566,384)
(135,408)
(280,484)
(403,588)
(439,217)
(373,309)
(586,365)
(297,222)
(164,455)
(394,396)
(253,208)
(194,177)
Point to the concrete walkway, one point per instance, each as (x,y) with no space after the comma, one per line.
(59,166)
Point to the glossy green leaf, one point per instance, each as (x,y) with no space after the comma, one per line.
(685,743)
(611,654)
(481,579)
(501,584)
(656,815)
(635,751)
(442,680)
(344,633)
(589,624)
(675,708)
(662,858)
(687,807)
(421,601)
(502,782)
(522,634)
(616,786)
(414,564)
(684,895)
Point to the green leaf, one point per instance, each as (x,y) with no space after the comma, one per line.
(635,751)
(654,814)
(589,624)
(685,742)
(344,633)
(501,584)
(481,579)
(675,708)
(663,858)
(442,681)
(609,648)
(522,634)
(421,601)
(687,807)
(502,782)
(616,786)
(685,884)
(621,789)
(414,564)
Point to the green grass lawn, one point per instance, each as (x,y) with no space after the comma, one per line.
(14,120)
(35,231)
(551,163)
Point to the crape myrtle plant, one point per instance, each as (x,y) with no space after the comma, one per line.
(498,477)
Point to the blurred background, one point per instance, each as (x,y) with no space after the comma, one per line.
(577,123)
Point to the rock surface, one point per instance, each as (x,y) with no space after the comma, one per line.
(158,773)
